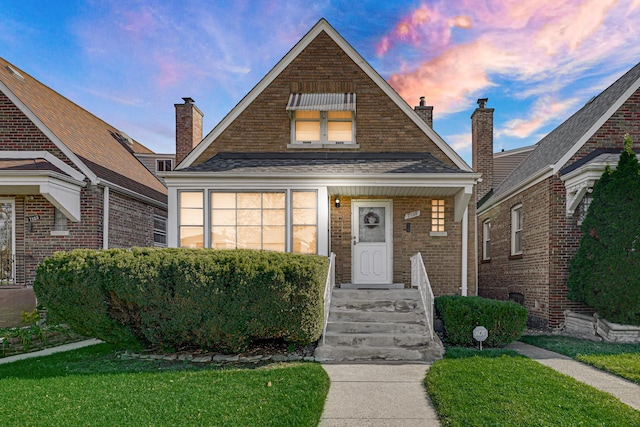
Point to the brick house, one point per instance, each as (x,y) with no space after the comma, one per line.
(67,180)
(529,221)
(322,156)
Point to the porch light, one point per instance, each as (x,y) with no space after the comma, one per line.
(337,201)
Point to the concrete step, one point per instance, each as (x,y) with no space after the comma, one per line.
(347,327)
(350,316)
(342,354)
(388,340)
(375,294)
(398,305)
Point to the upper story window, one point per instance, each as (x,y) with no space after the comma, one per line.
(486,240)
(164,165)
(322,118)
(516,230)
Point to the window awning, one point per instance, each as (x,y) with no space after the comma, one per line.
(322,101)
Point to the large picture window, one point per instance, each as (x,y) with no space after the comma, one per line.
(191,219)
(516,230)
(304,222)
(248,221)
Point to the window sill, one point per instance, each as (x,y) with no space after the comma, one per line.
(438,234)
(320,145)
(485,261)
(60,233)
(516,256)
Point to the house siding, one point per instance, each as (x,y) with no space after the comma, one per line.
(130,221)
(265,126)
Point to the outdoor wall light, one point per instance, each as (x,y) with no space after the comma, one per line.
(337,201)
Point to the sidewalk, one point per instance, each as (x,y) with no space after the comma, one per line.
(378,395)
(626,391)
(50,350)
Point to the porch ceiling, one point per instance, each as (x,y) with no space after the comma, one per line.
(385,190)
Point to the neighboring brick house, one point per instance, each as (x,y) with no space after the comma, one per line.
(529,224)
(67,180)
(322,156)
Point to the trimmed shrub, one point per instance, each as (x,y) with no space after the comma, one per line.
(605,272)
(505,320)
(177,298)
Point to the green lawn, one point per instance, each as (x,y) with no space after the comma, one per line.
(620,359)
(93,387)
(508,390)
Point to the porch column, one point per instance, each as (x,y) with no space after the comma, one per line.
(465,246)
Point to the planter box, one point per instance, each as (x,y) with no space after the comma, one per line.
(581,325)
(614,332)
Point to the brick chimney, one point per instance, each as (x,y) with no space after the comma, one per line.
(425,112)
(188,128)
(482,146)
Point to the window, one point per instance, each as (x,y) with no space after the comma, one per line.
(437,216)
(248,221)
(159,231)
(486,240)
(516,230)
(191,219)
(304,222)
(59,223)
(322,118)
(163,165)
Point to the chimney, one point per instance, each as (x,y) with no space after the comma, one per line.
(425,112)
(188,128)
(482,146)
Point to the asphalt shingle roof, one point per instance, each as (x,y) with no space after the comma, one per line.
(94,141)
(550,149)
(324,163)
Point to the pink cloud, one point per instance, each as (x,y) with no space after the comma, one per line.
(544,111)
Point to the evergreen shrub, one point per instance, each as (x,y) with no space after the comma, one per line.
(177,298)
(605,272)
(505,320)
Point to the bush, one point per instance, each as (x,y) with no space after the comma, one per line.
(605,272)
(505,320)
(177,298)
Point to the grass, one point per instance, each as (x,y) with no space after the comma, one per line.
(470,389)
(92,386)
(619,359)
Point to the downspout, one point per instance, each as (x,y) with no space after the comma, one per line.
(465,247)
(105,220)
(476,253)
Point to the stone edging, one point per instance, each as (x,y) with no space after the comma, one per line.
(218,358)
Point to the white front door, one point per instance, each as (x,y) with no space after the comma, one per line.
(372,242)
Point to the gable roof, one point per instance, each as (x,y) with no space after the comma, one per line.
(553,151)
(320,27)
(100,151)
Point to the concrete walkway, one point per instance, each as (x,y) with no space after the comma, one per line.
(378,395)
(50,350)
(626,391)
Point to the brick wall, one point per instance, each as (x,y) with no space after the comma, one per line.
(130,221)
(482,147)
(441,254)
(527,274)
(265,126)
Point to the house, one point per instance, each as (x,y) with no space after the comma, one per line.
(67,180)
(529,223)
(322,156)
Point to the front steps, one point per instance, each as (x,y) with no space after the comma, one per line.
(377,325)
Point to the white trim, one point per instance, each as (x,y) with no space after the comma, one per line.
(48,133)
(514,210)
(581,181)
(438,234)
(486,242)
(596,126)
(465,248)
(321,26)
(131,193)
(46,156)
(105,217)
(534,179)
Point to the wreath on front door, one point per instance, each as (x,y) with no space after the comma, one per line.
(371,219)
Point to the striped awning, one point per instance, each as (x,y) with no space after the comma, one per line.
(322,101)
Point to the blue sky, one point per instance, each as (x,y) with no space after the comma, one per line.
(129,62)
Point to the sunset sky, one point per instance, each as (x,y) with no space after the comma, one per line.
(129,62)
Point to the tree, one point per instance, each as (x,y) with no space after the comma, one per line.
(605,272)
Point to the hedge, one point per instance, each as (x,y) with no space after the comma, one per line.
(505,320)
(177,298)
